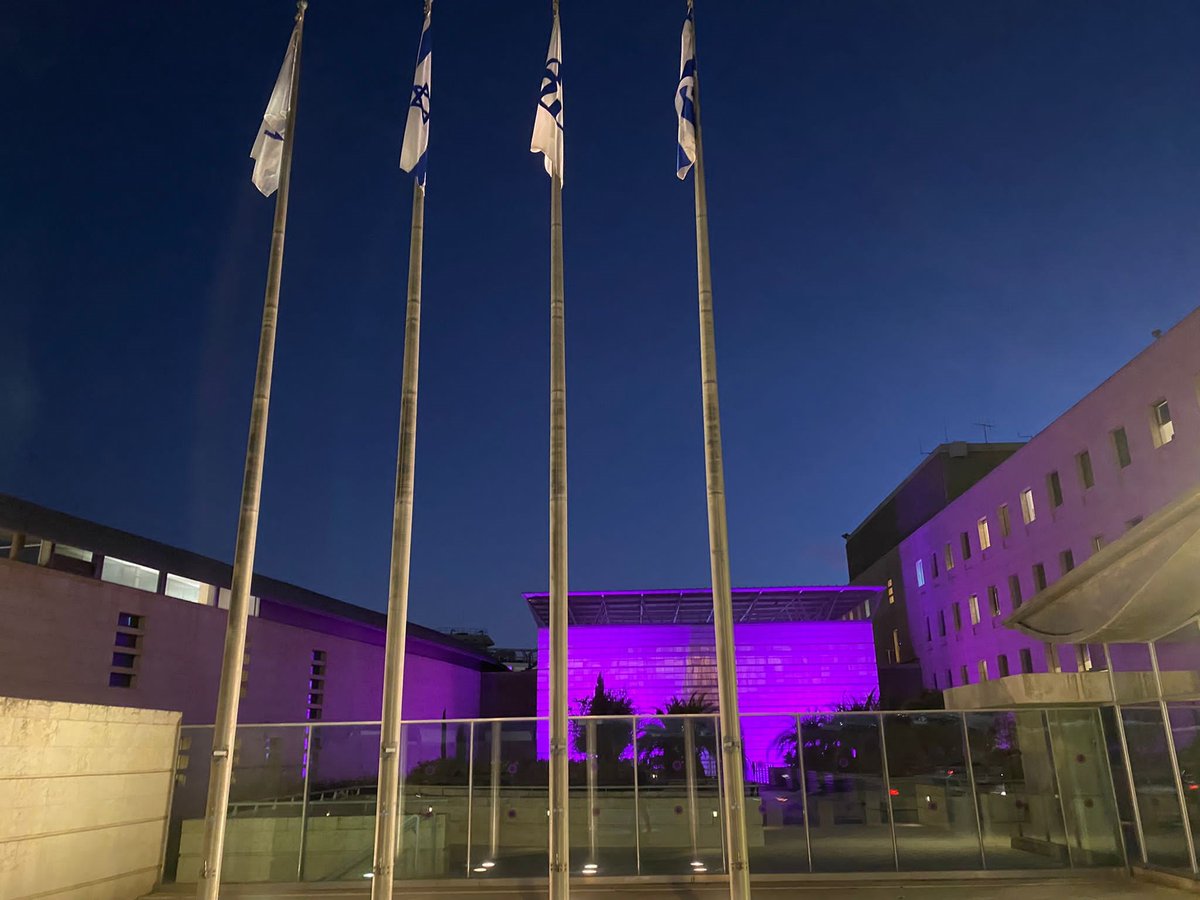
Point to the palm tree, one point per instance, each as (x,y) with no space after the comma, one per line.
(663,744)
(611,738)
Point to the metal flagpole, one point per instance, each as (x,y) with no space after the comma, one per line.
(733,799)
(225,724)
(387,807)
(560,886)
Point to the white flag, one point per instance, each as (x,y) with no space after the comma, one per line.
(548,124)
(413,155)
(267,152)
(685,97)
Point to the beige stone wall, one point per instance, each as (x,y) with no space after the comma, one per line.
(83,798)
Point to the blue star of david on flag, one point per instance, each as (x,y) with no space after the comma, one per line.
(548,121)
(685,100)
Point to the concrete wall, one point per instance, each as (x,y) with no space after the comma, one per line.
(83,798)
(57,644)
(1169,368)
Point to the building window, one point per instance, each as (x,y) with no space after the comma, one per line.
(1133,523)
(1121,447)
(896,644)
(1002,666)
(949,554)
(1014,590)
(184,589)
(933,566)
(1039,577)
(1083,464)
(973,603)
(941,623)
(1027,661)
(964,674)
(965,538)
(983,675)
(73,553)
(935,685)
(128,620)
(125,639)
(118,571)
(928,630)
(316,685)
(1083,658)
(120,679)
(1054,489)
(1005,522)
(949,679)
(1097,543)
(891,592)
(994,600)
(1028,512)
(1066,561)
(957,611)
(123,660)
(1164,428)
(985,536)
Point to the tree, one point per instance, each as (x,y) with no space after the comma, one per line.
(612,737)
(662,743)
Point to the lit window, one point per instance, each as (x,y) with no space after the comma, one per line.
(128,620)
(896,644)
(973,603)
(1164,428)
(1026,661)
(985,536)
(891,592)
(118,571)
(1014,590)
(184,589)
(1097,543)
(1054,489)
(920,573)
(1066,561)
(1039,577)
(1005,522)
(1083,658)
(983,676)
(949,555)
(1002,665)
(1121,447)
(1028,513)
(994,600)
(1083,463)
(957,610)
(73,552)
(965,539)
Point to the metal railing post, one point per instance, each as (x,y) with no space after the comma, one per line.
(494,836)
(637,806)
(470,790)
(887,790)
(803,792)
(592,761)
(308,761)
(1166,717)
(689,772)
(966,737)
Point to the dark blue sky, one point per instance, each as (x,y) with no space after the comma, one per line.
(924,215)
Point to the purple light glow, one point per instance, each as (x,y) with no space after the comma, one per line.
(783,668)
(707,592)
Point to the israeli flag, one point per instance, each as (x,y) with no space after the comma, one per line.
(267,152)
(415,152)
(685,99)
(548,124)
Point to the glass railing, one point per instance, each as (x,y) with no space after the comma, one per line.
(825,792)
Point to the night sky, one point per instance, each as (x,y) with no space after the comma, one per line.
(924,215)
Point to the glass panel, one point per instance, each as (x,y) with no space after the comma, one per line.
(1121,787)
(510,830)
(1014,781)
(1185,727)
(342,764)
(679,805)
(434,813)
(1154,782)
(1179,663)
(775,807)
(847,806)
(931,792)
(129,574)
(1085,782)
(1132,675)
(602,815)
(185,830)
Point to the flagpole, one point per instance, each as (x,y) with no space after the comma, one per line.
(387,806)
(225,724)
(733,799)
(560,883)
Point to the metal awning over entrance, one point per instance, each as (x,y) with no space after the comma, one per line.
(694,607)
(1140,588)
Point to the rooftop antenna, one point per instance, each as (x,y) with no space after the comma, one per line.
(985,426)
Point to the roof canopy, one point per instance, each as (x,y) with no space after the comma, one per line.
(695,607)
(1140,588)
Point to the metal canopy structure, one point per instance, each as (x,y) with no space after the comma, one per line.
(1140,588)
(695,607)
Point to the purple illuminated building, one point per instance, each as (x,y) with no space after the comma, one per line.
(797,648)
